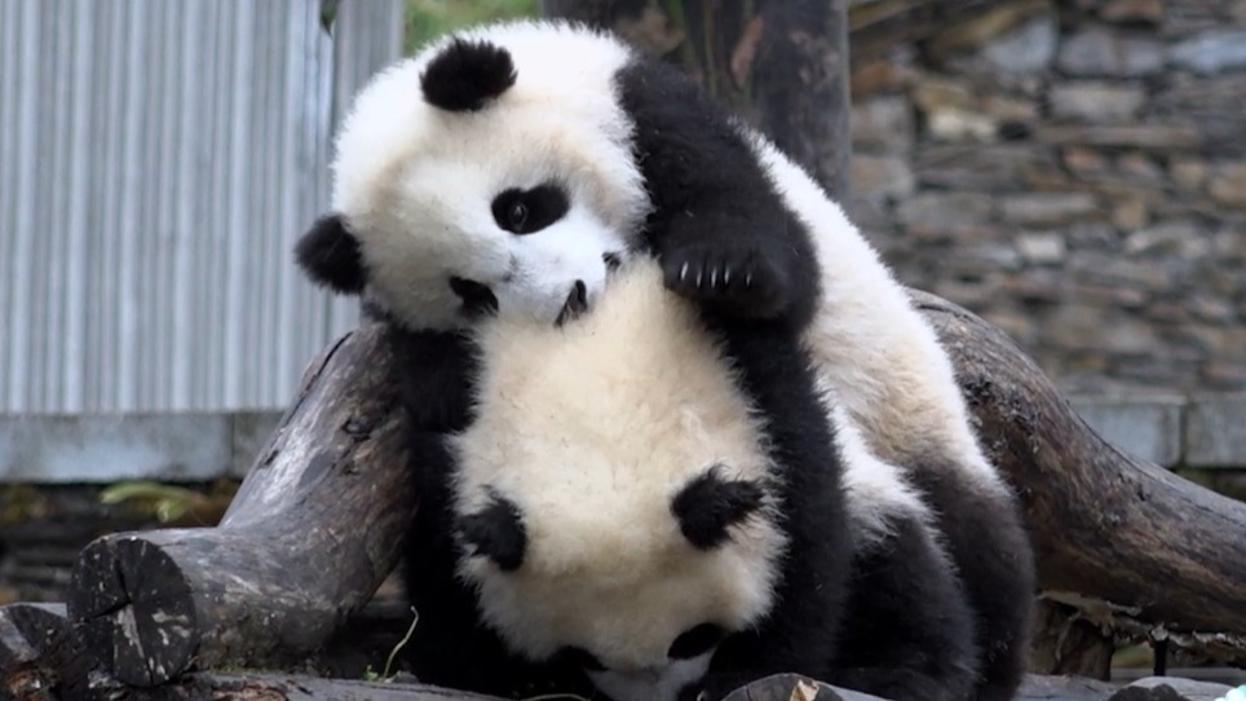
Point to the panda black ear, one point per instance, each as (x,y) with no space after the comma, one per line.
(708,505)
(466,74)
(496,532)
(330,255)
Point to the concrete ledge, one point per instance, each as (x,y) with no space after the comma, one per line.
(1147,427)
(1203,431)
(1216,431)
(189,447)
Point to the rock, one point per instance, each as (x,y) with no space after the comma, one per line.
(1129,11)
(1224,375)
(1169,238)
(1096,101)
(1188,173)
(990,167)
(792,687)
(1041,249)
(1177,688)
(1084,160)
(1036,286)
(1228,185)
(1102,52)
(883,124)
(1084,235)
(933,94)
(982,26)
(1140,167)
(1211,52)
(1010,108)
(881,176)
(1047,208)
(1112,270)
(1130,213)
(953,214)
(1029,48)
(1208,308)
(961,125)
(1158,137)
(879,76)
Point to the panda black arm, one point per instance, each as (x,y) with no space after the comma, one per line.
(721,230)
(437,373)
(909,633)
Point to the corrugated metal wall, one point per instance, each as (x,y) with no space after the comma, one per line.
(157,162)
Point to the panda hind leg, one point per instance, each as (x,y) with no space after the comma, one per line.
(909,632)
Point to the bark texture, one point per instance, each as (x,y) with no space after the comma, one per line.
(313,530)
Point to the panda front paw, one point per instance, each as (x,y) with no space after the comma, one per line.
(741,280)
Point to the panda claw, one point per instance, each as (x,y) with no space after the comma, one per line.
(727,277)
(683,271)
(698,279)
(714,278)
(748,279)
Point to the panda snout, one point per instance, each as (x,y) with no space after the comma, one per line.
(575,305)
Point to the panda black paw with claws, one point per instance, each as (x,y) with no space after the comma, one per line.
(739,279)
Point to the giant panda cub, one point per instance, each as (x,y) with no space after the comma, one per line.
(622,316)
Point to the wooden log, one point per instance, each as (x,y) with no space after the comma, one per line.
(41,657)
(1135,547)
(206,686)
(313,530)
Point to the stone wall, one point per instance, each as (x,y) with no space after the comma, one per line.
(1073,171)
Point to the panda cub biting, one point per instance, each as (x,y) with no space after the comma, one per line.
(621,316)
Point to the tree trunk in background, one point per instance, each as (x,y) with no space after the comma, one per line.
(783,64)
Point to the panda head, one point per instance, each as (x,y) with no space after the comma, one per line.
(637,592)
(493,171)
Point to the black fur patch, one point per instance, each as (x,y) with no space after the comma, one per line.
(478,299)
(330,255)
(695,641)
(466,74)
(708,505)
(528,211)
(497,532)
(723,233)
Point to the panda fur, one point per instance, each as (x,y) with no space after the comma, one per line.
(648,166)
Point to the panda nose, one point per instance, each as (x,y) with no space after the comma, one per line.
(576,304)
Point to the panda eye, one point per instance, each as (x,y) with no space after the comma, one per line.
(695,641)
(579,657)
(517,216)
(528,211)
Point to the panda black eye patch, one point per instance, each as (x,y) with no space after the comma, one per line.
(695,641)
(581,658)
(528,211)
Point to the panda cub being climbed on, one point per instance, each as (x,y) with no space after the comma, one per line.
(621,316)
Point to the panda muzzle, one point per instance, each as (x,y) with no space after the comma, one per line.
(576,304)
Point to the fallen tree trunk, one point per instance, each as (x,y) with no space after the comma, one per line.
(313,530)
(40,657)
(1134,547)
(286,687)
(319,521)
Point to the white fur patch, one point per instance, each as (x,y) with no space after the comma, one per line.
(875,355)
(415,182)
(591,430)
(659,684)
(876,491)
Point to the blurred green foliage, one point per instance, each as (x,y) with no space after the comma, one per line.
(426,19)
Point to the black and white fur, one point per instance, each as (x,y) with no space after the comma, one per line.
(611,158)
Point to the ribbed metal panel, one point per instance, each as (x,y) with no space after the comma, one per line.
(157,162)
